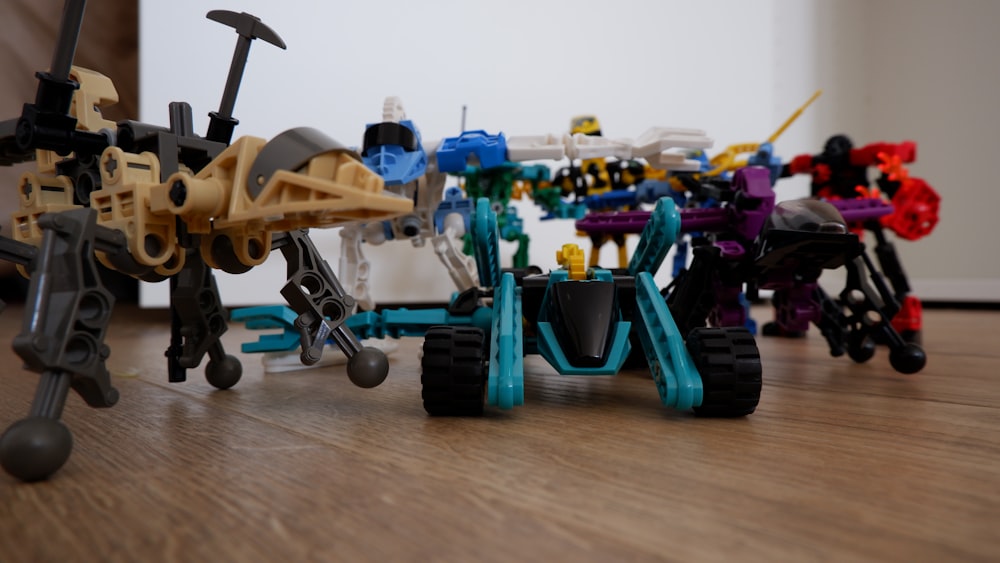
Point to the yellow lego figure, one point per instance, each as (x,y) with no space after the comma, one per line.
(595,168)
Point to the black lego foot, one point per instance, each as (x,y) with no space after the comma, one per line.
(908,359)
(368,367)
(224,373)
(34,448)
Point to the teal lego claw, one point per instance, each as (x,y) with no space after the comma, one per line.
(391,323)
(268,317)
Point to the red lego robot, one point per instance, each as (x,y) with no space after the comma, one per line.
(841,172)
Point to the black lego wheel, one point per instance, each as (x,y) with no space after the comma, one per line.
(729,363)
(453,371)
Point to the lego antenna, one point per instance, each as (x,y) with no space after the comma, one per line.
(248,27)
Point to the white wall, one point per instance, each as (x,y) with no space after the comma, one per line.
(735,69)
(933,76)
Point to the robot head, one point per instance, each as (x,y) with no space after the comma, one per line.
(837,148)
(586,124)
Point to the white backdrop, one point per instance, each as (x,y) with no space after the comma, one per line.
(733,68)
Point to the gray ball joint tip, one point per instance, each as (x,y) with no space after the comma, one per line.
(368,367)
(34,448)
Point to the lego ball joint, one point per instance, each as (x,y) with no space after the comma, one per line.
(368,368)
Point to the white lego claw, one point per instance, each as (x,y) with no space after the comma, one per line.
(657,143)
(659,139)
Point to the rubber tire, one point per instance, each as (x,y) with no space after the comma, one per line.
(729,363)
(453,371)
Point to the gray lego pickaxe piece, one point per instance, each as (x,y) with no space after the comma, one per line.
(248,27)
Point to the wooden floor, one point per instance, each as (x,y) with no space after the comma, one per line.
(840,462)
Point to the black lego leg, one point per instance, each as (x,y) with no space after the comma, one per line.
(888,260)
(197,321)
(690,296)
(908,321)
(65,323)
(313,291)
(832,322)
(872,307)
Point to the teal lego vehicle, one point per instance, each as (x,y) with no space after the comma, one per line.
(584,322)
